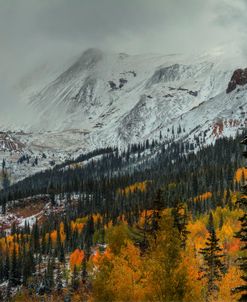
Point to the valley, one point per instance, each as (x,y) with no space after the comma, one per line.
(123,153)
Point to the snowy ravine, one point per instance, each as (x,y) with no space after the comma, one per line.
(107,99)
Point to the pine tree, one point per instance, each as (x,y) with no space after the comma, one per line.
(221,222)
(158,205)
(49,276)
(74,279)
(60,248)
(210,224)
(181,222)
(89,231)
(213,268)
(1,269)
(59,282)
(25,267)
(35,237)
(5,180)
(6,267)
(3,165)
(14,277)
(84,270)
(242,234)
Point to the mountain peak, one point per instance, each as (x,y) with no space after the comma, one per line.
(92,52)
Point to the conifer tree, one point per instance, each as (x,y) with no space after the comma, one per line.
(59,283)
(1,269)
(84,270)
(158,205)
(242,234)
(210,224)
(213,268)
(74,279)
(181,222)
(14,277)
(49,276)
(6,267)
(35,237)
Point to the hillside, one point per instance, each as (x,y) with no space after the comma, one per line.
(88,225)
(105,99)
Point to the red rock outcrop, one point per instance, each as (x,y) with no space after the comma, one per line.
(239,77)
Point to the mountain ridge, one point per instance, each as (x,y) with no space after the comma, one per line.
(103,100)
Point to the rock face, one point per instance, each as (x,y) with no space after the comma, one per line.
(239,77)
(7,142)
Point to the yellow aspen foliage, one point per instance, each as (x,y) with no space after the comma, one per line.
(191,263)
(127,278)
(98,258)
(138,186)
(62,233)
(77,225)
(172,186)
(230,244)
(240,174)
(202,197)
(122,219)
(163,263)
(116,237)
(7,244)
(147,213)
(97,217)
(231,280)
(198,233)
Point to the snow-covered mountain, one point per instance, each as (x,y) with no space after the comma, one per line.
(105,99)
(120,99)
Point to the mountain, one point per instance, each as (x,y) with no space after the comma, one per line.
(120,99)
(104,99)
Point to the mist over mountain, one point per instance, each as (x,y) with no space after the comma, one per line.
(122,137)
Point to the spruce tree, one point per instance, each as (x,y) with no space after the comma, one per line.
(14,277)
(180,222)
(59,282)
(158,205)
(242,234)
(1,269)
(210,224)
(6,267)
(75,279)
(213,267)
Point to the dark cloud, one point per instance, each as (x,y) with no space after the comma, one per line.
(34,30)
(131,25)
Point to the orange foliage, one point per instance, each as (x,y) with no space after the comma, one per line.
(97,258)
(240,173)
(147,213)
(198,233)
(8,244)
(191,264)
(231,280)
(62,234)
(138,186)
(127,279)
(97,217)
(53,236)
(204,196)
(77,225)
(76,258)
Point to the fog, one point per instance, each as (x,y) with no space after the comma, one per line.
(36,31)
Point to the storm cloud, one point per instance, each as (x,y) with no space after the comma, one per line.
(34,30)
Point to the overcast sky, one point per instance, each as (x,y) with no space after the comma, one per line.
(32,30)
